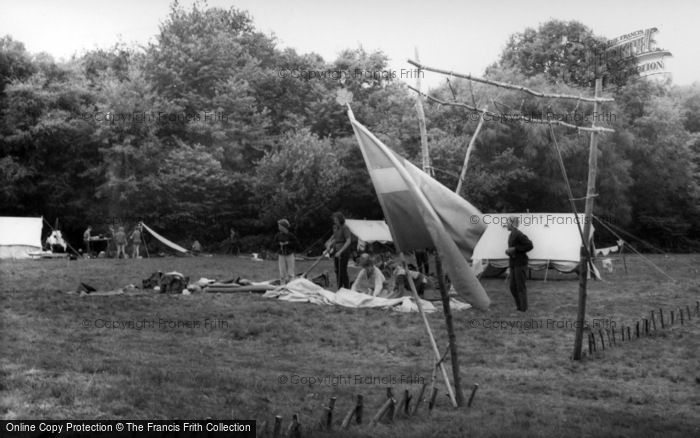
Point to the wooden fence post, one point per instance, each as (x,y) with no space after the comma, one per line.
(294,428)
(431,403)
(278,427)
(419,400)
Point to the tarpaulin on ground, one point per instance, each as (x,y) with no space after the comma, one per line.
(301,290)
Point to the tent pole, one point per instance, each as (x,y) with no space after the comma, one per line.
(454,357)
(438,356)
(585,250)
(622,253)
(463,174)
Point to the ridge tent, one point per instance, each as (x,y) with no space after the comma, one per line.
(20,236)
(555,237)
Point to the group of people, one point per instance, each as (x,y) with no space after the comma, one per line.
(120,240)
(393,280)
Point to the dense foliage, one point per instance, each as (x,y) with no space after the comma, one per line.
(213,126)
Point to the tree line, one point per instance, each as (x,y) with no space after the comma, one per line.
(201,131)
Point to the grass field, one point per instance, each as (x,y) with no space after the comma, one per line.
(244,356)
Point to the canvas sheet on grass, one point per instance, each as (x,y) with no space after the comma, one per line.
(301,290)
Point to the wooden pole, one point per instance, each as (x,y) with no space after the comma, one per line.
(425,153)
(454,356)
(430,332)
(358,409)
(585,255)
(378,416)
(661,317)
(278,427)
(471,397)
(392,407)
(653,320)
(419,399)
(431,403)
(294,430)
(624,261)
(348,418)
(463,174)
(327,420)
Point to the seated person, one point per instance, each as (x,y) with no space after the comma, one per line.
(398,285)
(370,280)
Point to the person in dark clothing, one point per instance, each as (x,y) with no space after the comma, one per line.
(233,247)
(339,246)
(422,262)
(518,246)
(286,243)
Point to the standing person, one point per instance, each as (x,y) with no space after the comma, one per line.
(120,241)
(135,241)
(286,247)
(422,261)
(233,242)
(86,240)
(518,246)
(339,246)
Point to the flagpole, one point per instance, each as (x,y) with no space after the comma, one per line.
(438,356)
(458,399)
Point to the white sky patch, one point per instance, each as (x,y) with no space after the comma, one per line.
(456,35)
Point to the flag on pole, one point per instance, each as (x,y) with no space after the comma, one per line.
(422,213)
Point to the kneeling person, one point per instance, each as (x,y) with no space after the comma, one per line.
(370,280)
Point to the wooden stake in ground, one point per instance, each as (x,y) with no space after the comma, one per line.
(278,426)
(585,253)
(419,399)
(294,430)
(471,397)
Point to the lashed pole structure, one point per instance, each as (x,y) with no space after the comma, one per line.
(592,168)
(472,141)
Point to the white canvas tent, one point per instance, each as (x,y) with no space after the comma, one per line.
(555,237)
(20,236)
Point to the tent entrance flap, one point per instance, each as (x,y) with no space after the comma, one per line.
(165,241)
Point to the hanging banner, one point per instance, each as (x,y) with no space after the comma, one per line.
(641,46)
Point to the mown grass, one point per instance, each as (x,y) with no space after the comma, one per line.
(54,365)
